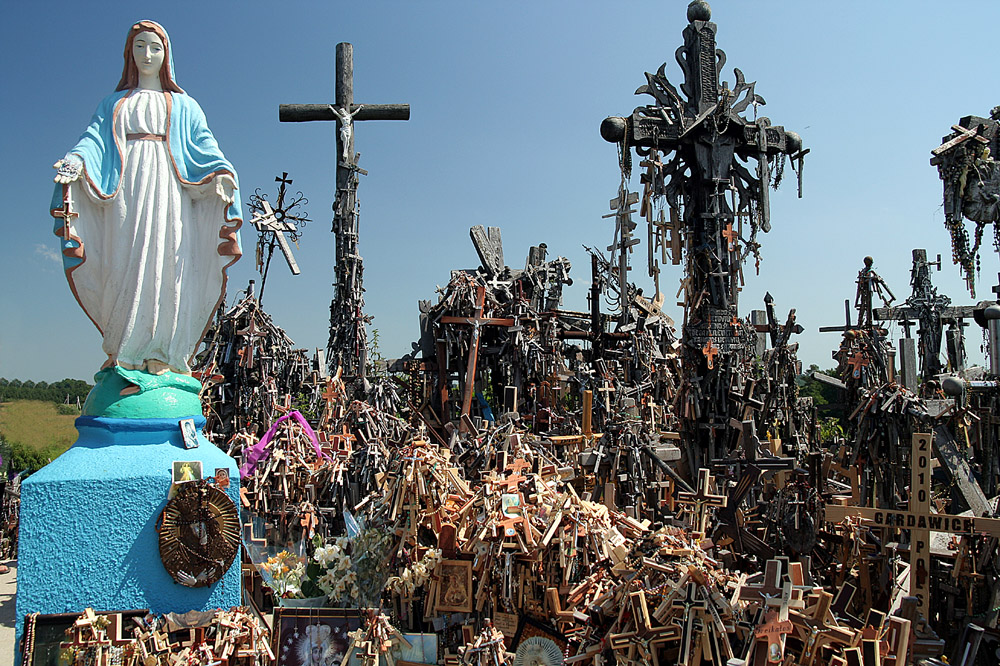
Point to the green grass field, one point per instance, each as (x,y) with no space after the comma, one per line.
(37,425)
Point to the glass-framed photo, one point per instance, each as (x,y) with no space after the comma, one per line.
(455,587)
(189,433)
(314,636)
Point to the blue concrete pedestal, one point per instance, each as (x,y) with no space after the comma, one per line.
(88,523)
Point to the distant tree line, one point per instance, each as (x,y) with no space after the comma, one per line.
(67,390)
(20,458)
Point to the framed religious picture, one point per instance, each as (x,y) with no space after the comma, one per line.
(313,636)
(186,470)
(455,586)
(189,433)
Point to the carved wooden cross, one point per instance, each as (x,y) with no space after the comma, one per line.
(476,321)
(710,351)
(730,235)
(640,644)
(816,632)
(701,500)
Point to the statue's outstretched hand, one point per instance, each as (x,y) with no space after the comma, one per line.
(224,187)
(68,169)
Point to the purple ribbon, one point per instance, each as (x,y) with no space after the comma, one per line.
(259,451)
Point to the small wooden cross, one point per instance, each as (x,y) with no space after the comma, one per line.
(710,351)
(772,632)
(701,500)
(730,235)
(856,362)
(816,632)
(640,644)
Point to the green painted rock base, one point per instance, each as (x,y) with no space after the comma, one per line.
(165,396)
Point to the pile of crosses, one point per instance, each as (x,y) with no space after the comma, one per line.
(10,512)
(227,638)
(250,371)
(631,495)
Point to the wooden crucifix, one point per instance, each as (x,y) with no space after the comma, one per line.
(476,321)
(701,500)
(347,347)
(918,519)
(640,645)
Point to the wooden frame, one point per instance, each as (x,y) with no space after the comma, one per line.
(50,631)
(454,590)
(313,636)
(454,593)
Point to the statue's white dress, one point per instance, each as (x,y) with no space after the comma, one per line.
(152,275)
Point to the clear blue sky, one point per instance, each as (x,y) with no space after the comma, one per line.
(506,101)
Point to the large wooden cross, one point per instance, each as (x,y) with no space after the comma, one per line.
(347,347)
(297,113)
(476,321)
(918,519)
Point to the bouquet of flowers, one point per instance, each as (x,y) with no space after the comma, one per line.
(285,571)
(350,569)
(416,575)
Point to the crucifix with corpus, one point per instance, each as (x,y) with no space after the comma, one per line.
(476,322)
(348,345)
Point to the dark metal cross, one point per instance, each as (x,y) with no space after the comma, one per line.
(347,347)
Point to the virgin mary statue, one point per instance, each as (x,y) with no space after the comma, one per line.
(148,209)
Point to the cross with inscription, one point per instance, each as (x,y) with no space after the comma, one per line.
(347,346)
(918,519)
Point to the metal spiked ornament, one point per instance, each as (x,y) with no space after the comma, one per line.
(273,222)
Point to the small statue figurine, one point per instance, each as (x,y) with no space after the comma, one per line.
(148,209)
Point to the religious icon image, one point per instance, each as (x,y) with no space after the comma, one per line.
(147,208)
(189,433)
(314,637)
(186,470)
(455,591)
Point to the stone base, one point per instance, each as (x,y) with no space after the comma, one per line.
(88,523)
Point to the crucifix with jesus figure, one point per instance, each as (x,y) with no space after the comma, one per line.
(348,344)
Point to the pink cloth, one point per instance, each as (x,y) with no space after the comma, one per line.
(259,451)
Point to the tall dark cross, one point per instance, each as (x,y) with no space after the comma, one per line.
(702,140)
(930,310)
(348,344)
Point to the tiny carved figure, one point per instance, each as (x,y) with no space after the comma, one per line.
(148,209)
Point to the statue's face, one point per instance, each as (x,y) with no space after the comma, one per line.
(147,49)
